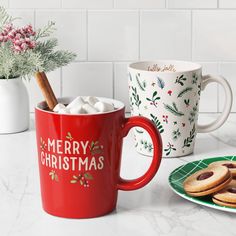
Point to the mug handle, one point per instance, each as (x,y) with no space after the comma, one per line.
(206,79)
(146,124)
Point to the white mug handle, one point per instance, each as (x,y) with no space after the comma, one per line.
(206,79)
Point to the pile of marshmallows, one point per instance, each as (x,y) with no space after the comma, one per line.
(87,105)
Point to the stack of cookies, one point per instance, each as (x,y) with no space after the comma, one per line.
(217,180)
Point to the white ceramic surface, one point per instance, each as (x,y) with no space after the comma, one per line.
(14,106)
(143,29)
(222,34)
(90,78)
(71,29)
(170,99)
(153,210)
(158,38)
(105,40)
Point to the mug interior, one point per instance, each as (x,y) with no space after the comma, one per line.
(165,66)
(66,100)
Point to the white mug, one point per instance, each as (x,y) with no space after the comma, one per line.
(168,92)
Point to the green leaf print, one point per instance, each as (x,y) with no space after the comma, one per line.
(153,100)
(173,109)
(186,102)
(88,176)
(176,134)
(199,89)
(193,113)
(130,77)
(142,85)
(160,83)
(95,148)
(170,147)
(189,140)
(82,178)
(139,131)
(147,146)
(194,78)
(157,123)
(184,91)
(135,95)
(180,80)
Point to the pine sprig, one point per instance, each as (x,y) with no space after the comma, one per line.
(189,140)
(43,57)
(188,89)
(160,83)
(57,59)
(45,31)
(142,86)
(5,18)
(173,109)
(157,123)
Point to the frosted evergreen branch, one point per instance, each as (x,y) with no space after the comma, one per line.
(46,31)
(5,18)
(42,55)
(57,59)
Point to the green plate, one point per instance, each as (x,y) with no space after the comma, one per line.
(178,176)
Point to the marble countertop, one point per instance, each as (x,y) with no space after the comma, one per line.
(152,210)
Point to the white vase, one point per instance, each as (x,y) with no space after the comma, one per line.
(14,106)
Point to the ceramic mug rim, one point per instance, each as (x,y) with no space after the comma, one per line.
(193,66)
(118,104)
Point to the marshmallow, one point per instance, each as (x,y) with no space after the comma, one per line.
(103,106)
(89,109)
(79,101)
(58,107)
(64,111)
(77,110)
(91,100)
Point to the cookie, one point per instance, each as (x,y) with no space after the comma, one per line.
(227,196)
(207,181)
(231,165)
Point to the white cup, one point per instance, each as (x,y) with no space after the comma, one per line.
(168,93)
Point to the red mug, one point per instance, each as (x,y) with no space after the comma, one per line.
(79,159)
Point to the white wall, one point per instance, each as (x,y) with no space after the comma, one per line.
(108,34)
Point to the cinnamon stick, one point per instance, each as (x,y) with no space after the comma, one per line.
(46,89)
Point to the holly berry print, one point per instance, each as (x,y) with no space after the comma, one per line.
(170,148)
(83,179)
(170,101)
(69,156)
(95,147)
(153,100)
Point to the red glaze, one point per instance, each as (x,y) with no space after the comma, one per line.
(61,188)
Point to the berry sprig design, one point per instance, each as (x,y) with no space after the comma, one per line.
(43,145)
(69,136)
(83,179)
(53,175)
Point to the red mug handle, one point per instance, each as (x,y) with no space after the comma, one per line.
(146,124)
